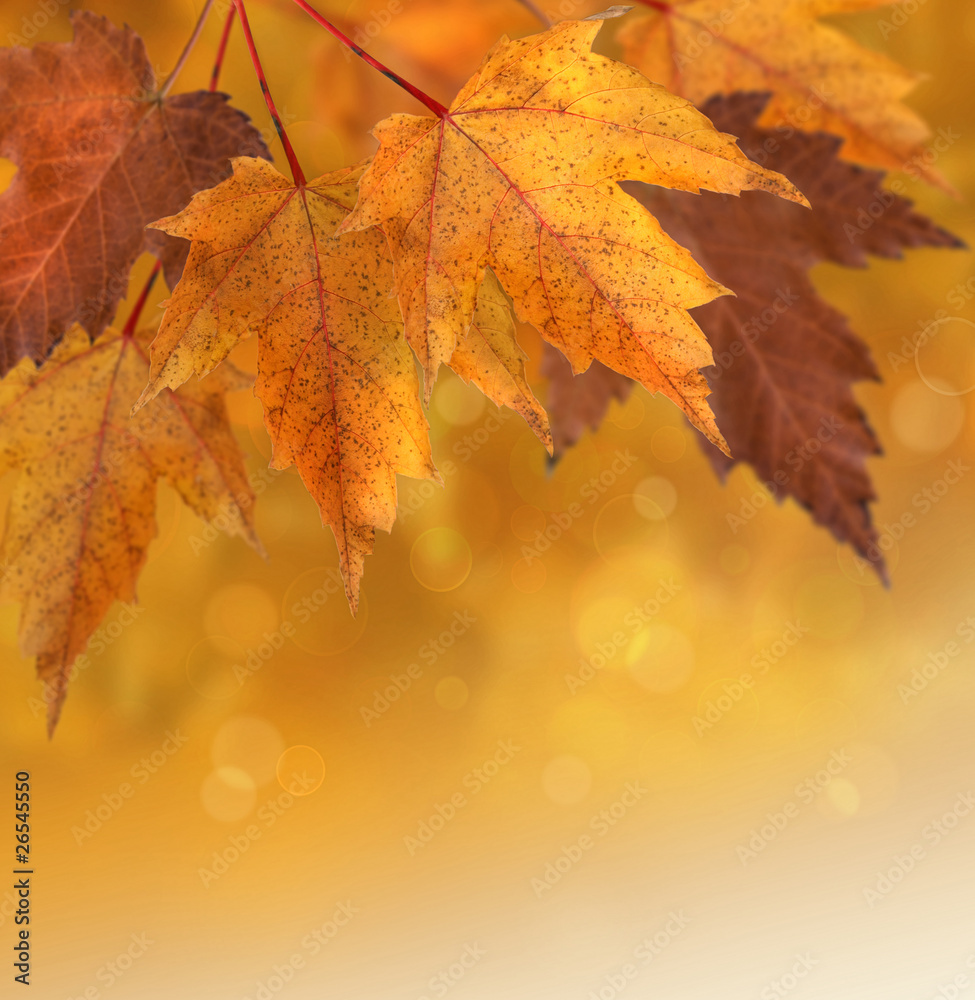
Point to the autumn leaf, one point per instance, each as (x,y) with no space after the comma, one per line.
(99,156)
(520,175)
(577,403)
(83,509)
(335,375)
(435,43)
(785,359)
(819,78)
(489,356)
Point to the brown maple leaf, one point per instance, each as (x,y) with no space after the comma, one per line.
(82,513)
(785,359)
(99,156)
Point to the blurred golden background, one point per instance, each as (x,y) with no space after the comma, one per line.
(527,773)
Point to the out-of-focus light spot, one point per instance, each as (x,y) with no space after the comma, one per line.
(527,521)
(924,420)
(457,403)
(660,658)
(489,562)
(842,796)
(451,693)
(566,779)
(627,523)
(629,415)
(213,666)
(317,615)
(250,744)
(228,794)
(662,496)
(528,575)
(441,559)
(301,770)
(668,444)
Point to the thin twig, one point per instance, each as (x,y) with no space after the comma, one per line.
(536,11)
(136,313)
(194,38)
(434,105)
(222,49)
(296,170)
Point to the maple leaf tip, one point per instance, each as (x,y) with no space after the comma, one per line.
(148,395)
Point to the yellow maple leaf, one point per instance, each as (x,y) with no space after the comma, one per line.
(489,356)
(820,79)
(520,175)
(83,509)
(335,375)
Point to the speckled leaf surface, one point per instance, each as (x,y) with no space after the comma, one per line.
(82,513)
(521,175)
(818,77)
(335,375)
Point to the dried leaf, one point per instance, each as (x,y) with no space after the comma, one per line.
(83,510)
(335,375)
(521,176)
(99,157)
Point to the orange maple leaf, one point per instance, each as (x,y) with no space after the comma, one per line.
(82,513)
(336,377)
(520,175)
(819,78)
